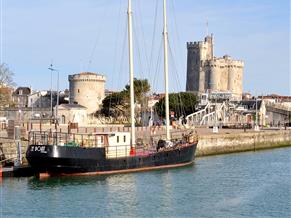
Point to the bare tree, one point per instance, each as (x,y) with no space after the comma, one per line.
(6,75)
(6,83)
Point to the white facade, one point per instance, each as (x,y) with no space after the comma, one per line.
(118,145)
(72,113)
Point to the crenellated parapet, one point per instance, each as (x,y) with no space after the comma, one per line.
(196,45)
(87,76)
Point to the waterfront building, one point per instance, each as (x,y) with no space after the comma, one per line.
(207,73)
(247,110)
(44,99)
(72,113)
(20,97)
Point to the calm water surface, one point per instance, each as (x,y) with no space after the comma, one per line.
(253,184)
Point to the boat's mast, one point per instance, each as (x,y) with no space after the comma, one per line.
(129,13)
(165,33)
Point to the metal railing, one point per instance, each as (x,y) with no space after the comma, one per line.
(65,139)
(125,151)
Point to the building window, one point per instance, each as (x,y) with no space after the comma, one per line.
(63,119)
(102,140)
(117,139)
(124,138)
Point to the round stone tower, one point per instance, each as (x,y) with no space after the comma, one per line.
(87,89)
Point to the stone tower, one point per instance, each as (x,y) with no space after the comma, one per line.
(208,73)
(87,89)
(198,52)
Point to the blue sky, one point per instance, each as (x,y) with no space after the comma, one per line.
(90,35)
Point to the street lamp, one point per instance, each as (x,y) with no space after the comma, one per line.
(58,76)
(215,127)
(257,128)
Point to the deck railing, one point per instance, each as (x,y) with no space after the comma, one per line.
(88,141)
(65,139)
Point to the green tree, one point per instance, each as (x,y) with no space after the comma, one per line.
(182,104)
(6,83)
(141,89)
(114,105)
(117,104)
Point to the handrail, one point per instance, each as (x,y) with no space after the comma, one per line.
(213,113)
(67,139)
(3,161)
(198,112)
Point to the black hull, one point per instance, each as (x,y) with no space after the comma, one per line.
(62,160)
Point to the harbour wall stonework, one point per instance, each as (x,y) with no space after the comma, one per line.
(239,142)
(9,148)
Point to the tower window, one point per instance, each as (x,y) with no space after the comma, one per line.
(78,90)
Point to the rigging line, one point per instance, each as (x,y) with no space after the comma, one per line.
(143,35)
(158,64)
(137,48)
(153,37)
(1,31)
(105,13)
(175,72)
(121,60)
(173,63)
(139,57)
(139,53)
(176,30)
(123,52)
(118,31)
(1,47)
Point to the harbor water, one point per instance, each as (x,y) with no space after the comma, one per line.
(251,184)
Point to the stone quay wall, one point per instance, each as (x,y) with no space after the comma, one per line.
(238,142)
(9,148)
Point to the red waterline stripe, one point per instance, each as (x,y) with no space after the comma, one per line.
(46,175)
